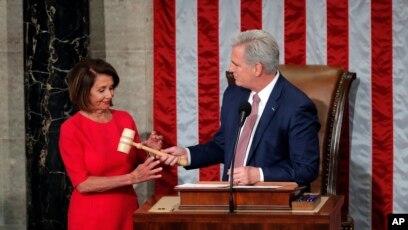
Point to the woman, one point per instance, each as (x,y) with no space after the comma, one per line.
(102,177)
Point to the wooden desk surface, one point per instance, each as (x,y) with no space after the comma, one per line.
(328,217)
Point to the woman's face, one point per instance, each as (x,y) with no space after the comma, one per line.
(101,94)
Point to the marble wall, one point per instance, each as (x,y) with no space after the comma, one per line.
(32,185)
(56,36)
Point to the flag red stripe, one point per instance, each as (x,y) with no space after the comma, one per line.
(337,33)
(164,103)
(337,55)
(295,32)
(251,14)
(208,79)
(382,112)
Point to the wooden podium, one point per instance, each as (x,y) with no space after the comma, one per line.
(215,196)
(177,212)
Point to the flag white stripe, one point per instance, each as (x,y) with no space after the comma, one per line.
(316,32)
(187,75)
(360,108)
(400,103)
(273,14)
(229,27)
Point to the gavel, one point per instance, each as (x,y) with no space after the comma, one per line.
(126,142)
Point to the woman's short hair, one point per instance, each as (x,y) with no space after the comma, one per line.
(82,77)
(260,46)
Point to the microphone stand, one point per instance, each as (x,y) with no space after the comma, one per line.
(244,111)
(231,197)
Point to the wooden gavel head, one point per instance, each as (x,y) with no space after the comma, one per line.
(126,140)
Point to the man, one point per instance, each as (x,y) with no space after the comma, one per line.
(283,144)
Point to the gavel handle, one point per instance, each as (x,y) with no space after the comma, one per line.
(180,161)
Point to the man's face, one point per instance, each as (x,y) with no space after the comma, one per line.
(244,74)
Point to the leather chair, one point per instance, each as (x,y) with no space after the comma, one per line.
(328,87)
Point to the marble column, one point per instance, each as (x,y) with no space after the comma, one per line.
(56,36)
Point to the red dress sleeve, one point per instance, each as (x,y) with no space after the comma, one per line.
(72,154)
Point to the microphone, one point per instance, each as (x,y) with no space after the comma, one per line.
(244,110)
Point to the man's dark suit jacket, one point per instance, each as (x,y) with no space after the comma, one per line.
(285,144)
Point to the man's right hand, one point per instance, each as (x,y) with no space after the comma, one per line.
(173,155)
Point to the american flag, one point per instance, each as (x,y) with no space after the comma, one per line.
(192,52)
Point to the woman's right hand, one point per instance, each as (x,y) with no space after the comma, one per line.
(146,171)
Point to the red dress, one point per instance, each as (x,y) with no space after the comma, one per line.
(88,148)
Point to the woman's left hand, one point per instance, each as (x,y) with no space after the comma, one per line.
(155,141)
